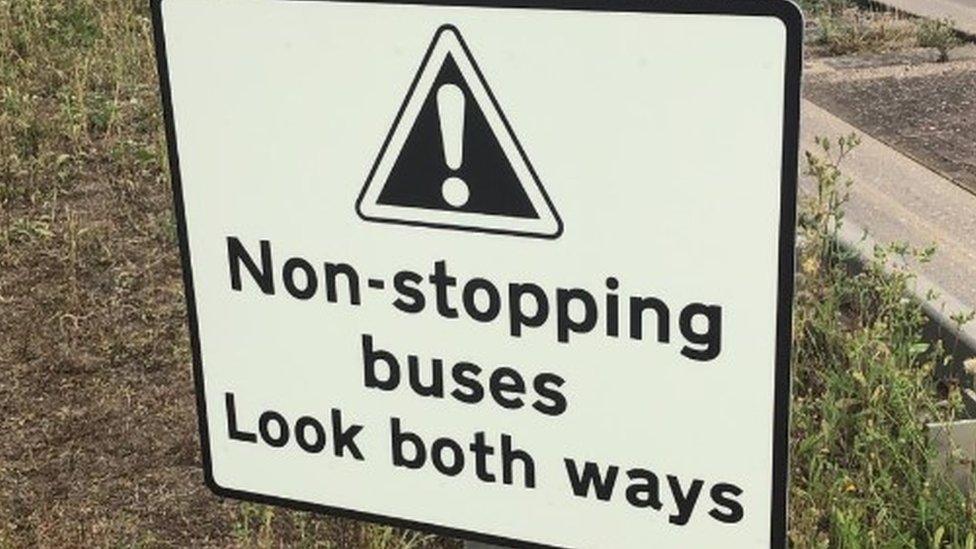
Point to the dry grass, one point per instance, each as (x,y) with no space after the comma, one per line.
(99,444)
(856,31)
(845,27)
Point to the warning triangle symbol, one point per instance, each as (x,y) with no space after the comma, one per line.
(451,159)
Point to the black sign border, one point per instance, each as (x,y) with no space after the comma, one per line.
(791,17)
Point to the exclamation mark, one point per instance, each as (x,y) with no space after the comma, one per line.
(450,110)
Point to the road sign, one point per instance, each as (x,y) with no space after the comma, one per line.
(423,175)
(514,273)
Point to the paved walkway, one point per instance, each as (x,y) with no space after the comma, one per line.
(898,200)
(962,12)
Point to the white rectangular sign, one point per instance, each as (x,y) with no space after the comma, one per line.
(517,272)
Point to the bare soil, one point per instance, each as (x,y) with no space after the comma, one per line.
(99,442)
(925,110)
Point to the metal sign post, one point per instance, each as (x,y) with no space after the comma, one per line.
(479,545)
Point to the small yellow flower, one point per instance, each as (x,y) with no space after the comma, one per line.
(970,366)
(810,265)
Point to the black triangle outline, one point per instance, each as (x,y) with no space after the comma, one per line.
(501,114)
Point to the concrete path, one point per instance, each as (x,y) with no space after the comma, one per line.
(898,200)
(962,12)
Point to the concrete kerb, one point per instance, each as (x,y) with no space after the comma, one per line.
(940,309)
(963,17)
(955,442)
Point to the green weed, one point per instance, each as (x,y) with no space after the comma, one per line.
(848,27)
(863,390)
(855,30)
(938,34)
